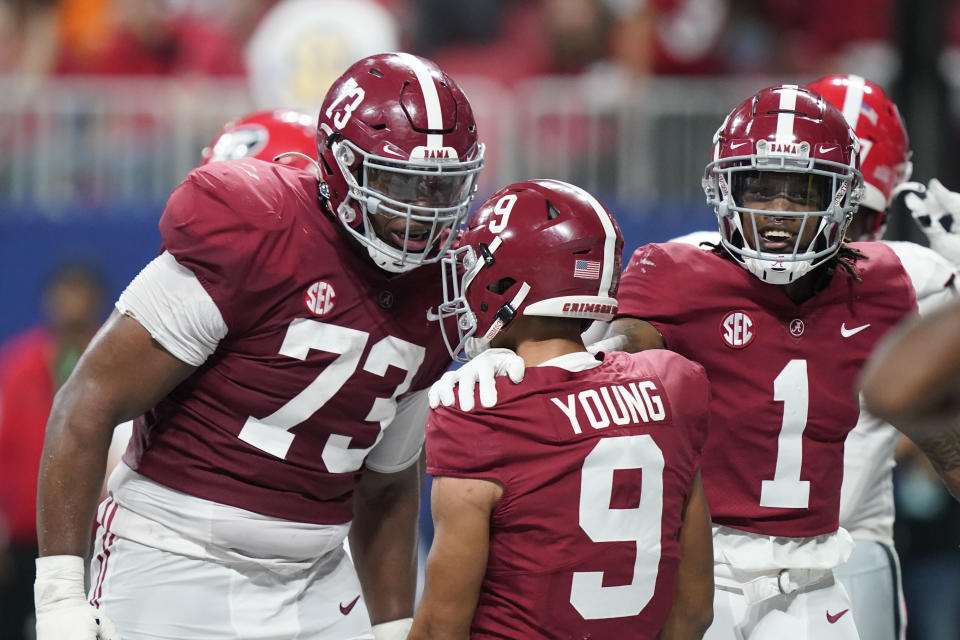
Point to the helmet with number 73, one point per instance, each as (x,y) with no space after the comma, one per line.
(537,248)
(399,158)
(786,144)
(884,145)
(284,136)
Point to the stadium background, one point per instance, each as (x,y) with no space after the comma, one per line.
(105,106)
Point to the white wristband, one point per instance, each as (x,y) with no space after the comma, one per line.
(393,630)
(58,578)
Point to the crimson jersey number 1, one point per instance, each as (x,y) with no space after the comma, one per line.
(641,524)
(272,433)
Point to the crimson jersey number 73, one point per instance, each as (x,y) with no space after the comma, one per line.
(272,433)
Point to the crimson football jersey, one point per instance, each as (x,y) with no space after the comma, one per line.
(320,345)
(783,375)
(595,467)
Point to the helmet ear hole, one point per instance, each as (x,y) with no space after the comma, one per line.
(501,286)
(552,212)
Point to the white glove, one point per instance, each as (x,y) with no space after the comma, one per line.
(613,343)
(63,612)
(393,630)
(938,214)
(483,370)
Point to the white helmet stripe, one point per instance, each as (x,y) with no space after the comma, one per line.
(788,102)
(430,98)
(609,245)
(853,100)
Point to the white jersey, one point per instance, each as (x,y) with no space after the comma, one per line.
(866,496)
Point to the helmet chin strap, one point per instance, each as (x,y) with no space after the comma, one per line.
(791,272)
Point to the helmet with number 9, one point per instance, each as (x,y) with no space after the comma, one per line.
(784,142)
(537,248)
(884,145)
(399,158)
(276,135)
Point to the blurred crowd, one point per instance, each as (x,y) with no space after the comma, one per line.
(510,39)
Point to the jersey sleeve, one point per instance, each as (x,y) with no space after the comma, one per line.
(649,286)
(463,445)
(222,223)
(403,438)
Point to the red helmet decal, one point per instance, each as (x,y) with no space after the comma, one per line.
(265,135)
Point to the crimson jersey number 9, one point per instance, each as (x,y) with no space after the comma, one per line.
(602,524)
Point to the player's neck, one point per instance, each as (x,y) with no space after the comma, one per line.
(535,352)
(807,286)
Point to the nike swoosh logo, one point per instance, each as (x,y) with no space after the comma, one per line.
(833,618)
(345,610)
(431,316)
(846,333)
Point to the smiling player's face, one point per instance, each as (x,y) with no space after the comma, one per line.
(789,193)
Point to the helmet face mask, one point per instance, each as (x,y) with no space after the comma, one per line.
(490,278)
(432,201)
(792,158)
(398,141)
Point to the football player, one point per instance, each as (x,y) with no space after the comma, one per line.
(872,574)
(782,314)
(274,356)
(574,508)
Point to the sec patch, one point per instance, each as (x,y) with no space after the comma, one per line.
(320,298)
(737,329)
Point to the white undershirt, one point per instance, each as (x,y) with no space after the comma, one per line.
(168,300)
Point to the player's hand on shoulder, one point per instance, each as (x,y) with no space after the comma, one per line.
(63,612)
(613,343)
(481,371)
(936,210)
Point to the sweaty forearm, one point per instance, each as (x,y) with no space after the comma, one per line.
(383,541)
(71,475)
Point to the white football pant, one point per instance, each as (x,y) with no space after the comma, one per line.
(153,595)
(754,607)
(872,579)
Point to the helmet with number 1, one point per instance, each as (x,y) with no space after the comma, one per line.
(537,248)
(276,135)
(399,158)
(884,145)
(784,144)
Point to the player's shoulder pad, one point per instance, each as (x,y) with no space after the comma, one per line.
(667,363)
(882,271)
(930,272)
(230,195)
(670,259)
(881,260)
